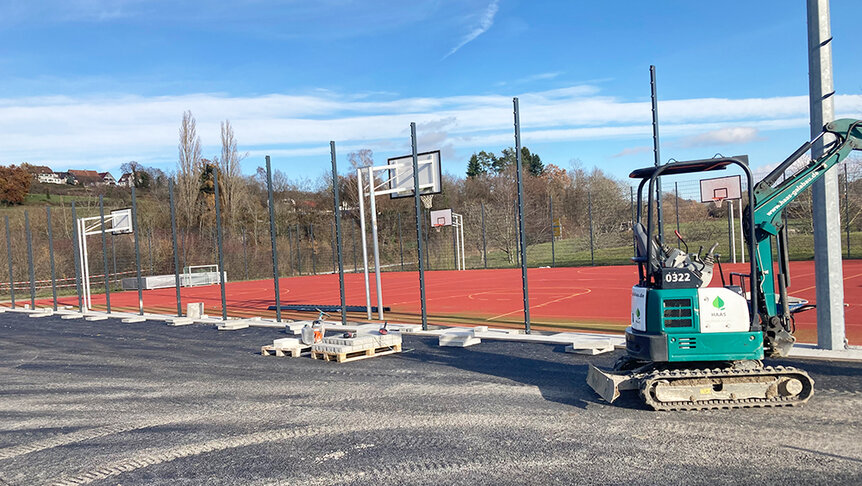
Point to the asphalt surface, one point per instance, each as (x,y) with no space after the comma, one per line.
(112,403)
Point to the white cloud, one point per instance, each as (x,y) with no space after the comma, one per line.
(485,23)
(88,131)
(721,136)
(640,149)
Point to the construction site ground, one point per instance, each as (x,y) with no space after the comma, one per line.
(111,403)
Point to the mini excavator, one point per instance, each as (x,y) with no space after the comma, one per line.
(693,347)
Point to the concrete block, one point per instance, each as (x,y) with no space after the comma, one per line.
(590,348)
(233,325)
(362,342)
(2,310)
(195,310)
(457,340)
(133,319)
(96,317)
(286,343)
(73,315)
(41,314)
(180,321)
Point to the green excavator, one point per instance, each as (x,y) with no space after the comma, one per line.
(693,347)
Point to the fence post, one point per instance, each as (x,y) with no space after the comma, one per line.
(177,282)
(400,242)
(313,259)
(337,206)
(419,219)
(332,245)
(51,257)
(632,206)
(484,241)
(105,254)
(32,273)
(592,240)
(553,232)
(273,243)
(521,236)
(219,246)
(75,251)
(135,231)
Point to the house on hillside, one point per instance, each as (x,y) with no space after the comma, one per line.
(44,175)
(125,180)
(107,179)
(86,177)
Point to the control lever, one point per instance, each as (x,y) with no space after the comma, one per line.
(676,232)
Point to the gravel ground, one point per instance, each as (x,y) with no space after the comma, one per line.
(112,403)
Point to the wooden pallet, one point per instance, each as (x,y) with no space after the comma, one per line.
(294,352)
(356,355)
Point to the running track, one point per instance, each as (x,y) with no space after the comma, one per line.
(583,298)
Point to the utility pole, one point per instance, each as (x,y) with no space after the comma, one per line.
(829,276)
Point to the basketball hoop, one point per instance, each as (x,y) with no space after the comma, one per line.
(717,201)
(427,200)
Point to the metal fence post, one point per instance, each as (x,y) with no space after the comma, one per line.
(135,231)
(521,232)
(337,206)
(553,232)
(592,240)
(32,273)
(76,252)
(105,254)
(416,198)
(484,241)
(177,282)
(9,255)
(313,259)
(332,245)
(51,257)
(274,244)
(400,242)
(219,246)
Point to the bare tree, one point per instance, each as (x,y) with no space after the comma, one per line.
(230,172)
(188,172)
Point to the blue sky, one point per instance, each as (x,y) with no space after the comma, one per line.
(96,83)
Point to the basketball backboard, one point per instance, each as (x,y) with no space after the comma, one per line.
(718,189)
(401,174)
(121,221)
(441,217)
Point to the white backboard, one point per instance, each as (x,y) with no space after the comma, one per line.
(441,217)
(720,188)
(121,221)
(430,174)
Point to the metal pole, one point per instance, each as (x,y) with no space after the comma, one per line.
(400,242)
(75,251)
(376,247)
(656,150)
(364,243)
(219,246)
(337,206)
(85,264)
(454,244)
(332,245)
(298,251)
(484,241)
(632,206)
(273,243)
(313,253)
(32,273)
(829,275)
(105,254)
(177,282)
(418,227)
(592,240)
(730,241)
(521,235)
(9,255)
(427,229)
(51,257)
(137,253)
(553,230)
(463,253)
(244,254)
(847,208)
(676,204)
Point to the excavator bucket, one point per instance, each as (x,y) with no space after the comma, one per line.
(609,385)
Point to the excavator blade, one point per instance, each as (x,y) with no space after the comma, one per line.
(609,385)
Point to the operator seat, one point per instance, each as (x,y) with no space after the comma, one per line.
(652,262)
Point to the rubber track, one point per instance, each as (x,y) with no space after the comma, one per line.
(651,382)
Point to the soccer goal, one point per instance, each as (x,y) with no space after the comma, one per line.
(197,275)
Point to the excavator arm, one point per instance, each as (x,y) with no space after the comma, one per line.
(771,197)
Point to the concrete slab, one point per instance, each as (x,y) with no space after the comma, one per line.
(180,321)
(42,313)
(805,350)
(232,325)
(457,340)
(72,315)
(134,319)
(96,317)
(590,349)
